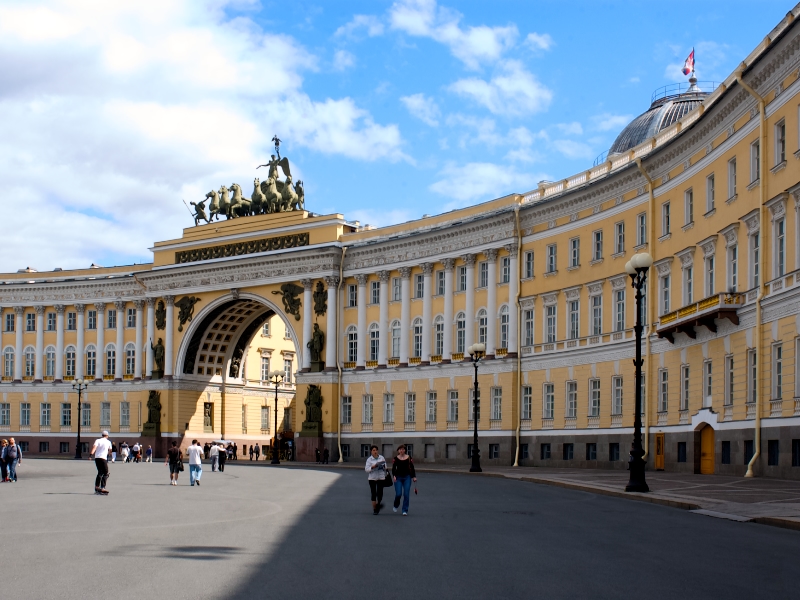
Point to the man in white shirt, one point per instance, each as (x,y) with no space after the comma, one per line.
(100,451)
(136,449)
(214,454)
(195,452)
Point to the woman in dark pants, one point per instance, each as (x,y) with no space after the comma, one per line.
(376,467)
(403,473)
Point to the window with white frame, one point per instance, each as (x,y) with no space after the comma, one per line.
(72,321)
(527,401)
(45,410)
(50,362)
(368,409)
(597,315)
(710,263)
(733,268)
(619,310)
(572,399)
(642,395)
(752,372)
(684,405)
(597,245)
(497,404)
(732,177)
(25,414)
(91,319)
(688,285)
(574,319)
(710,193)
(69,361)
(411,407)
(550,323)
(780,247)
(528,271)
(754,261)
(374,341)
(527,320)
(462,278)
(663,390)
(265,329)
(111,316)
(395,329)
(452,405)
(780,142)
(438,335)
(504,317)
(288,364)
(777,372)
(461,332)
(708,382)
(66,414)
(347,410)
(86,415)
(396,289)
(548,401)
(111,360)
(551,258)
(505,269)
(665,219)
(51,321)
(125,414)
(430,412)
(688,203)
(440,283)
(352,296)
(30,322)
(130,359)
(374,292)
(594,397)
(419,285)
(352,343)
(130,318)
(91,361)
(575,252)
(9,322)
(755,162)
(730,375)
(5,414)
(417,333)
(619,237)
(265,418)
(29,355)
(105,414)
(483,326)
(483,274)
(641,229)
(264,368)
(616,395)
(388,408)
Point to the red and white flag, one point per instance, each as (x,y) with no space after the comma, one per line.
(688,66)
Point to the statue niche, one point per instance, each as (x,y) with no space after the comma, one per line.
(315,345)
(152,427)
(158,359)
(312,425)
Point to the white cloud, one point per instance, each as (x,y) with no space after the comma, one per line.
(370,23)
(485,181)
(113,112)
(609,122)
(512,91)
(342,60)
(471,45)
(537,41)
(379,218)
(709,58)
(573,149)
(573,128)
(423,108)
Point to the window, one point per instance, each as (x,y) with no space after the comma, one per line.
(523,452)
(749,450)
(440,283)
(5,414)
(91,361)
(396,289)
(461,330)
(388,408)
(346,451)
(613,451)
(754,244)
(51,321)
(452,405)
(681,452)
(597,245)
(527,319)
(567,451)
(66,415)
(551,258)
(780,142)
(347,409)
(544,451)
(91,319)
(733,266)
(287,370)
(86,415)
(729,379)
(708,381)
(483,274)
(411,408)
(438,335)
(30,322)
(265,420)
(365,450)
(111,360)
(50,362)
(550,323)
(619,237)
(528,272)
(374,341)
(265,329)
(597,315)
(527,401)
(462,278)
(25,414)
(619,310)
(594,397)
(30,362)
(665,219)
(430,412)
(684,405)
(395,339)
(130,319)
(574,321)
(352,295)
(417,328)
(663,390)
(726,453)
(69,361)
(688,285)
(374,292)
(494,450)
(780,248)
(616,395)
(497,404)
(125,414)
(641,229)
(112,319)
(773,452)
(265,368)
(483,324)
(8,362)
(130,359)
(72,321)
(752,381)
(572,399)
(352,343)
(504,326)
(755,162)
(777,372)
(574,252)
(505,269)
(44,414)
(549,401)
(63,447)
(796,453)
(710,275)
(710,193)
(10,323)
(105,414)
(368,407)
(591,451)
(419,285)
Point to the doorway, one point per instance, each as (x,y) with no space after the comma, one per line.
(707,450)
(659,452)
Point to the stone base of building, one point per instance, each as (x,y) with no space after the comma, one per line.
(305,447)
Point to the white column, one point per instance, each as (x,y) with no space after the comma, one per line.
(427,311)
(469,332)
(513,286)
(384,333)
(170,302)
(447,350)
(101,340)
(151,332)
(307,324)
(331,335)
(491,302)
(38,370)
(80,360)
(362,322)
(405,314)
(59,374)
(119,367)
(19,359)
(137,369)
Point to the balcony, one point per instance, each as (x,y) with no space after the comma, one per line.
(616,420)
(456,356)
(703,313)
(388,426)
(570,423)
(350,365)
(366,428)
(346,427)
(495,424)
(452,426)
(430,425)
(594,422)
(662,418)
(683,417)
(727,413)
(525,424)
(797,407)
(372,364)
(547,423)
(775,408)
(751,410)
(414,360)
(394,362)
(409,426)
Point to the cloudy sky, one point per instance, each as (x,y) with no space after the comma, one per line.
(111,113)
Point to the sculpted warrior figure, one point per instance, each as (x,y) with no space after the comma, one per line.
(158,355)
(313,404)
(316,343)
(200,215)
(154,407)
(161,315)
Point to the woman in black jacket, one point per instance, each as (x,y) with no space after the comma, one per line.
(403,474)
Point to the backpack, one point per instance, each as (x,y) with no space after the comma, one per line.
(11,452)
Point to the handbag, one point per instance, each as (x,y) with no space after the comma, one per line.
(387,481)
(180,466)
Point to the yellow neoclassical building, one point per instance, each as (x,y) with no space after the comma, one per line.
(370,326)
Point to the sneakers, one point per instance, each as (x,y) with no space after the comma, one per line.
(394,509)
(104,492)
(197,481)
(405,514)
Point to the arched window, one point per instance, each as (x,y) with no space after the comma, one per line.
(504,327)
(8,363)
(69,361)
(111,360)
(395,327)
(91,360)
(130,359)
(483,324)
(417,331)
(30,361)
(438,335)
(50,361)
(461,332)
(374,341)
(352,343)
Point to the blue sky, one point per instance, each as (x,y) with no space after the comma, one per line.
(387,110)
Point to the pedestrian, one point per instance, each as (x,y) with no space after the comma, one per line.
(13,458)
(113,452)
(214,454)
(317,455)
(100,451)
(229,451)
(223,456)
(123,451)
(175,461)
(403,474)
(235,451)
(376,467)
(258,451)
(3,464)
(195,452)
(325,455)
(206,449)
(252,451)
(148,454)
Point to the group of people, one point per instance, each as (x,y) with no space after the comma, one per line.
(10,457)
(231,450)
(402,475)
(195,454)
(131,454)
(322,457)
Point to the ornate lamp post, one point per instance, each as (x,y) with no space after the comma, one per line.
(79,386)
(476,353)
(276,377)
(637,268)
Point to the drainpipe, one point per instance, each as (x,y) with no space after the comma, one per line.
(762,245)
(651,202)
(339,355)
(518,308)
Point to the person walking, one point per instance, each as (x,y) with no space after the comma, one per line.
(3,463)
(206,448)
(235,451)
(123,451)
(403,474)
(195,452)
(213,452)
(135,452)
(223,456)
(100,450)
(258,451)
(317,456)
(325,455)
(175,461)
(148,454)
(376,469)
(252,451)
(13,458)
(113,452)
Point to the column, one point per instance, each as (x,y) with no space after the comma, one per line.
(361,349)
(405,314)
(491,303)
(449,264)
(308,285)
(331,336)
(427,311)
(151,331)
(384,333)
(80,360)
(469,332)
(119,367)
(513,310)
(137,369)
(59,374)
(100,370)
(38,370)
(170,326)
(19,359)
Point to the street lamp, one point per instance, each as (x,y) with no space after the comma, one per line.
(79,386)
(637,268)
(276,377)
(476,353)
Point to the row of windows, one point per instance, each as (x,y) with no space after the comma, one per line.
(410,406)
(71,320)
(287,369)
(65,414)
(70,354)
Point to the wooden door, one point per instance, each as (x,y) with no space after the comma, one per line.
(707,451)
(659,452)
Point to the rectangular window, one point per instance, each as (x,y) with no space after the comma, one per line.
(663,390)
(130,319)
(462,278)
(66,415)
(641,229)
(688,285)
(749,450)
(287,370)
(124,414)
(452,405)
(773,453)
(368,409)
(374,292)
(594,397)
(440,283)
(708,382)
(796,453)
(419,285)
(25,414)
(597,315)
(352,295)
(112,319)
(684,387)
(411,408)
(619,310)
(105,414)
(265,418)
(619,237)
(616,397)
(572,399)
(591,451)
(544,451)
(726,453)
(710,276)
(550,327)
(86,415)
(551,258)
(430,413)
(574,252)
(528,273)
(51,321)
(265,329)
(388,408)
(91,319)
(5,414)
(30,322)
(527,401)
(613,451)
(396,289)
(483,274)
(265,368)
(365,450)
(729,379)
(665,219)
(63,447)
(681,452)
(72,321)
(10,322)
(731,178)
(374,343)
(780,142)
(710,193)
(755,162)
(754,244)
(395,339)
(777,372)
(523,451)
(50,362)
(574,321)
(44,414)
(527,318)
(494,450)
(567,451)
(505,269)
(597,245)
(549,401)
(497,404)
(347,409)
(733,265)
(780,248)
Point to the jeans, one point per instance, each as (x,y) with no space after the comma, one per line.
(402,486)
(12,468)
(3,470)
(214,463)
(195,472)
(102,473)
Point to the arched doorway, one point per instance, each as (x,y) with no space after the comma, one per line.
(707,452)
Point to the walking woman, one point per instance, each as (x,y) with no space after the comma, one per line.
(403,473)
(376,467)
(3,464)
